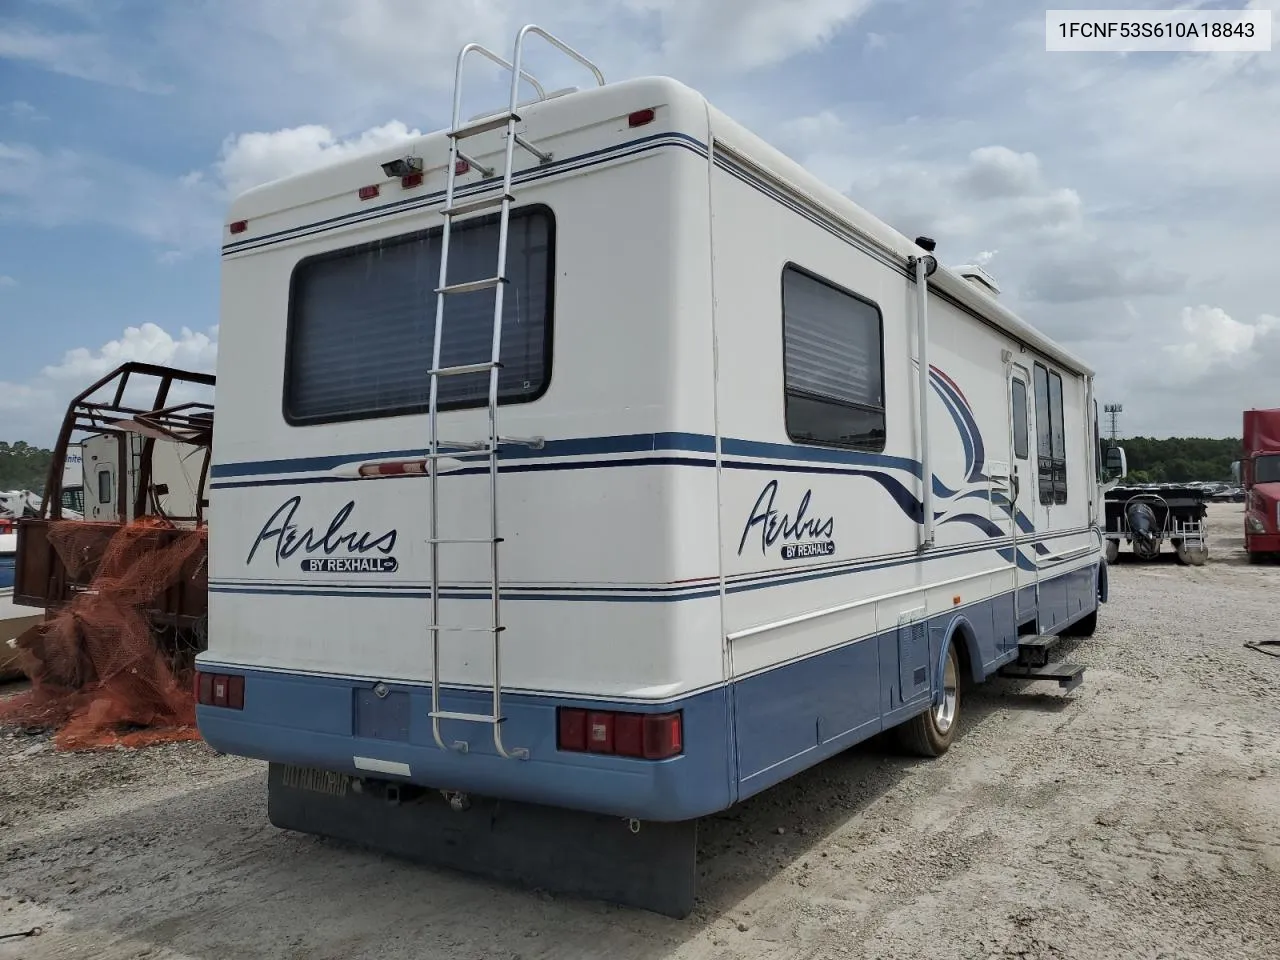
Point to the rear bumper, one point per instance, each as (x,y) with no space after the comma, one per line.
(342,725)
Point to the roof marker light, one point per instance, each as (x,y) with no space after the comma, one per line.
(369,192)
(240,226)
(411,181)
(640,117)
(461,167)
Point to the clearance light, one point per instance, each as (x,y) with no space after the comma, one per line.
(461,167)
(645,736)
(219,690)
(411,181)
(240,226)
(641,117)
(369,192)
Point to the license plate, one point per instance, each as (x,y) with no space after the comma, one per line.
(316,781)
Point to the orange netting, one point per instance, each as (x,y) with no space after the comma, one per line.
(102,675)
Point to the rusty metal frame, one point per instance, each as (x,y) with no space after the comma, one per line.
(187,422)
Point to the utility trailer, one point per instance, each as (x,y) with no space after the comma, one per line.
(770,481)
(1146,517)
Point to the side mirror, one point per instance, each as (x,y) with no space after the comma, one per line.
(1117,463)
(1235,472)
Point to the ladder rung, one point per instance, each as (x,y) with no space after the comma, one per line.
(473,206)
(541,155)
(472,285)
(472,717)
(438,628)
(449,540)
(482,446)
(484,126)
(465,368)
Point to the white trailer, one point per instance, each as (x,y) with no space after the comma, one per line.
(697,558)
(173,487)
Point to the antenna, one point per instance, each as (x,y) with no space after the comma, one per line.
(1113,411)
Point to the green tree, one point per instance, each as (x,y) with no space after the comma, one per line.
(1180,459)
(23,467)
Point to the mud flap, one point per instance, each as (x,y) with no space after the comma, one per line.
(560,851)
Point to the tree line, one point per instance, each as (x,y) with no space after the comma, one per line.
(23,467)
(1179,459)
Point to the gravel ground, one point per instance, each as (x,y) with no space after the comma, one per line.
(1135,817)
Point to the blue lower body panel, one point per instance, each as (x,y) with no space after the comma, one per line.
(738,739)
(341,725)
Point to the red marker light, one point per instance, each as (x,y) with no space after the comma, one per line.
(240,226)
(411,181)
(369,192)
(461,167)
(640,117)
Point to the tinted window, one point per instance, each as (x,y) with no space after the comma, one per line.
(1020,438)
(362,322)
(106,493)
(1059,440)
(1044,435)
(833,364)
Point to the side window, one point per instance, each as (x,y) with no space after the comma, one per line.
(106,489)
(1059,440)
(1021,441)
(1044,435)
(833,364)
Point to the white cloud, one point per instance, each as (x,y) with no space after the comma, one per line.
(82,55)
(148,343)
(67,187)
(7,281)
(997,171)
(1214,343)
(34,409)
(21,110)
(254,158)
(740,35)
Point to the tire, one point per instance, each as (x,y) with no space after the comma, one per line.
(931,733)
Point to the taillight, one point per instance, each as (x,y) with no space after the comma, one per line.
(645,736)
(220,690)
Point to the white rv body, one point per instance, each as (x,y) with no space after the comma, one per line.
(674,546)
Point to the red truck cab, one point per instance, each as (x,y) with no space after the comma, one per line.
(1260,473)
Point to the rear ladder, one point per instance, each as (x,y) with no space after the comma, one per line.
(490,446)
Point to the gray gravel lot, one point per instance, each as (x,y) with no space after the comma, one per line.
(1137,817)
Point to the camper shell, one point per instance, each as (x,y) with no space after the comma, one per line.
(719,563)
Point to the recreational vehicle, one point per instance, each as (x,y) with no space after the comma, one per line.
(590,465)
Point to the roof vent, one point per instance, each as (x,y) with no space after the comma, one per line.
(979,278)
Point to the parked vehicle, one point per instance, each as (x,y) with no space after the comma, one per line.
(1260,475)
(770,480)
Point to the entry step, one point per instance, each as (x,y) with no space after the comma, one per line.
(1068,675)
(1033,650)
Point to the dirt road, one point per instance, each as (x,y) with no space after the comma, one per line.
(1137,817)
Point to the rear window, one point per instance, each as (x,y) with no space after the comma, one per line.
(362,322)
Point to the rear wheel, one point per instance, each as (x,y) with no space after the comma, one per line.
(930,734)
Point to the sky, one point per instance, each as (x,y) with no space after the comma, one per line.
(1126,203)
